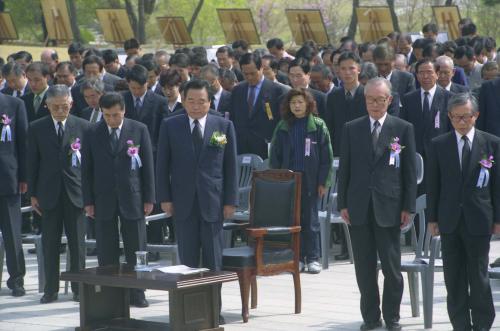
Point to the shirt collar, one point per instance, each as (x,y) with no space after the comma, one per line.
(259,84)
(119,128)
(141,97)
(179,100)
(42,94)
(201,121)
(470,135)
(218,94)
(388,77)
(448,87)
(353,91)
(432,91)
(332,86)
(55,123)
(380,120)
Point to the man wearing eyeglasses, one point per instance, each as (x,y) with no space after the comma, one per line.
(463,200)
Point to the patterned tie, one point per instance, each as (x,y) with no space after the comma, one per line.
(114,140)
(465,156)
(197,138)
(375,134)
(36,102)
(60,132)
(95,113)
(251,98)
(138,105)
(348,96)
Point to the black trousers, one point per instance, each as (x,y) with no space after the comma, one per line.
(10,225)
(309,222)
(368,240)
(465,264)
(66,215)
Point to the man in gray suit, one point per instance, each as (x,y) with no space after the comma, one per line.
(377,192)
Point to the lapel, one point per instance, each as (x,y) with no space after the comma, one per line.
(207,134)
(475,154)
(103,134)
(145,105)
(69,132)
(51,130)
(262,97)
(124,136)
(367,138)
(395,79)
(384,138)
(185,135)
(451,154)
(436,102)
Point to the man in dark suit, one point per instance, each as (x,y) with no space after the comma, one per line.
(300,77)
(54,182)
(426,107)
(144,105)
(402,82)
(377,192)
(445,69)
(13,178)
(220,98)
(255,108)
(92,90)
(489,107)
(38,78)
(225,58)
(115,186)
(197,177)
(464,208)
(17,83)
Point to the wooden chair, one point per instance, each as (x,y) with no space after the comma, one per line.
(273,235)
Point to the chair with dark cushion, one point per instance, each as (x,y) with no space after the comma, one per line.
(273,235)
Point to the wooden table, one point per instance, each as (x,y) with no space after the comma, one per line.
(104,298)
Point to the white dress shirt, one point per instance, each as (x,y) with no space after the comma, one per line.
(217,97)
(179,100)
(23,91)
(201,121)
(380,121)
(432,91)
(99,114)
(117,131)
(56,126)
(460,142)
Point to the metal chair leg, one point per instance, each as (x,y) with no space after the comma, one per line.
(414,293)
(348,242)
(40,261)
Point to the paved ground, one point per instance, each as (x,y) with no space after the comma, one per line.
(330,301)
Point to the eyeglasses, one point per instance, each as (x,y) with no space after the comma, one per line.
(458,118)
(64,107)
(378,101)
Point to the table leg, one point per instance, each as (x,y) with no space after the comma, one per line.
(101,303)
(195,308)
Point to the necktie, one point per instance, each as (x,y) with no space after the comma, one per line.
(348,96)
(19,94)
(212,103)
(426,106)
(465,156)
(114,140)
(95,113)
(375,135)
(251,98)
(197,138)
(60,132)
(138,104)
(36,102)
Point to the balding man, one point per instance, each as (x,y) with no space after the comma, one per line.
(50,58)
(377,192)
(446,70)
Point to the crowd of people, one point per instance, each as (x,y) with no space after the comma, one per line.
(95,145)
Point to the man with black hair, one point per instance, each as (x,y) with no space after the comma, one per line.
(75,52)
(112,63)
(153,75)
(23,58)
(405,47)
(228,79)
(468,29)
(270,69)
(181,62)
(240,47)
(132,47)
(254,108)
(38,78)
(197,62)
(276,47)
(225,58)
(16,81)
(220,99)
(65,74)
(430,31)
(464,57)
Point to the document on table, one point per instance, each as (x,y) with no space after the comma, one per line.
(180,269)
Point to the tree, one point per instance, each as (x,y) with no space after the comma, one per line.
(395,21)
(354,20)
(195,15)
(74,21)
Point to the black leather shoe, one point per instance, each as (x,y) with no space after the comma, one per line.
(370,325)
(48,298)
(139,302)
(341,257)
(393,326)
(18,291)
(76,297)
(222,321)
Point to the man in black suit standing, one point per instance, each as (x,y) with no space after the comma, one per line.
(144,105)
(118,183)
(92,90)
(13,145)
(299,73)
(225,58)
(17,83)
(220,98)
(197,177)
(54,182)
(445,69)
(402,82)
(38,78)
(255,108)
(463,194)
(377,192)
(489,107)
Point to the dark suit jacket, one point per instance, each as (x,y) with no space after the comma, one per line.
(402,82)
(213,177)
(366,175)
(489,107)
(254,129)
(7,90)
(224,102)
(238,74)
(151,113)
(50,168)
(86,113)
(457,88)
(320,99)
(448,195)
(425,130)
(13,153)
(79,102)
(33,115)
(108,181)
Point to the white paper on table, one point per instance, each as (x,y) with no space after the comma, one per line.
(180,269)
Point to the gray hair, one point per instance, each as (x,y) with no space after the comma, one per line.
(368,71)
(402,58)
(210,68)
(228,74)
(379,81)
(58,90)
(461,99)
(92,84)
(326,73)
(443,59)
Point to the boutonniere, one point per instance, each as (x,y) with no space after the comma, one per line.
(133,152)
(395,149)
(76,156)
(218,139)
(6,134)
(484,175)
